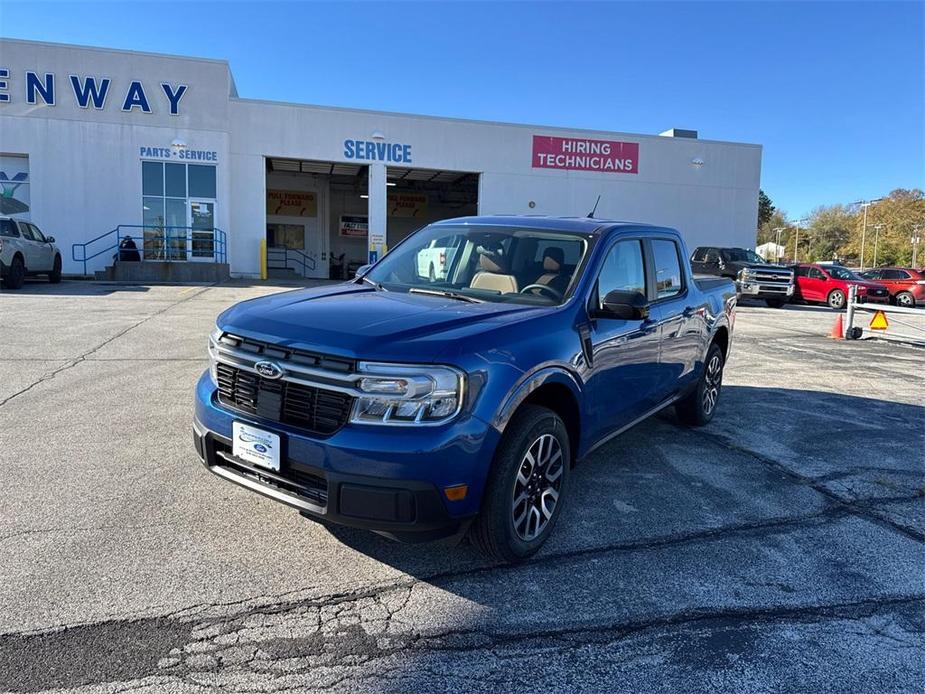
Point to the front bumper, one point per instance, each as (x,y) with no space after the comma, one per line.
(370,477)
(763,290)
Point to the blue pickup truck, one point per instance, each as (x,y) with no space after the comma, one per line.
(421,406)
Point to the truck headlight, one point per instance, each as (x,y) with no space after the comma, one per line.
(401,394)
(214,337)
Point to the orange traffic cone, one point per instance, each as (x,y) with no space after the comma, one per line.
(838,330)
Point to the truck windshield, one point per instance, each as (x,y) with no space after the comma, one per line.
(484,263)
(741,255)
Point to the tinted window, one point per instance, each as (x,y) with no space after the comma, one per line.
(741,255)
(152,178)
(201,181)
(711,255)
(699,254)
(623,269)
(801,271)
(668,281)
(842,273)
(36,234)
(816,273)
(174,181)
(8,228)
(894,274)
(26,232)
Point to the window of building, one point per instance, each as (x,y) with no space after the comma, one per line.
(668,278)
(166,190)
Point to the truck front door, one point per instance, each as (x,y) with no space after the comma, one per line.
(624,363)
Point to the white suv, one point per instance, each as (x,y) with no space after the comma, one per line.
(24,250)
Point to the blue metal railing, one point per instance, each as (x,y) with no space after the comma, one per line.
(161,243)
(278,258)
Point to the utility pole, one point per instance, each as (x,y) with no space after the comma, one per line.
(865,204)
(877,227)
(916,240)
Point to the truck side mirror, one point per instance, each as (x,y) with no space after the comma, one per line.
(361,270)
(49,239)
(625,305)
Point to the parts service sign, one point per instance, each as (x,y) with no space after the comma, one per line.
(578,154)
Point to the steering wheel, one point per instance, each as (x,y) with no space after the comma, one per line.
(543,288)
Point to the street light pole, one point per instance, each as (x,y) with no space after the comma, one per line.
(916,240)
(777,252)
(865,204)
(796,245)
(877,228)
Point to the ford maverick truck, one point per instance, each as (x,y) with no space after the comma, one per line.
(422,405)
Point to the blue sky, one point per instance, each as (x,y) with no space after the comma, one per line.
(835,91)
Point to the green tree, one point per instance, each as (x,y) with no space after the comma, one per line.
(765,208)
(828,230)
(890,226)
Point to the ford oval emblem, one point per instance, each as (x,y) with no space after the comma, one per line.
(268,369)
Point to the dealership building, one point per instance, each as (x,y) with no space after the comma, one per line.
(97,145)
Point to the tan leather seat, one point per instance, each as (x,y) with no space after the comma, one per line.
(553,258)
(493,273)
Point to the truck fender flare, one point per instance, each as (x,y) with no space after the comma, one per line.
(528,384)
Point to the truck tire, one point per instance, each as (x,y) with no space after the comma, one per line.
(16,273)
(905,299)
(55,275)
(698,407)
(836,299)
(526,486)
(775,303)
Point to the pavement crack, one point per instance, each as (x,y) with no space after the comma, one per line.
(85,356)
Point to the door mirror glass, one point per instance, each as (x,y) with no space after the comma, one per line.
(362,270)
(625,305)
(50,239)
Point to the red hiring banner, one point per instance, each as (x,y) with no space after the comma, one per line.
(585,155)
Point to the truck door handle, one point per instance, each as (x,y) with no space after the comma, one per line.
(688,312)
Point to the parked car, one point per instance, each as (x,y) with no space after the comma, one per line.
(824,283)
(753,275)
(26,251)
(434,260)
(906,286)
(419,410)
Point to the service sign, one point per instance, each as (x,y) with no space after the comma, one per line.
(292,203)
(354,226)
(579,154)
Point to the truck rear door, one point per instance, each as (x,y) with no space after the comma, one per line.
(680,319)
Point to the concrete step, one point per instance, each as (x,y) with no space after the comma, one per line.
(157,271)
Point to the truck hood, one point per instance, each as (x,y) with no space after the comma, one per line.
(360,322)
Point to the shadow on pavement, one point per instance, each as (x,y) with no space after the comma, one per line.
(41,287)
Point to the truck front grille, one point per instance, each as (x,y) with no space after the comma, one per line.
(316,410)
(770,276)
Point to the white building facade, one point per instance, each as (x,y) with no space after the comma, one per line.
(98,144)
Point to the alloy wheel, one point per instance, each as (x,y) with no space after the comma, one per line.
(713,379)
(905,300)
(537,487)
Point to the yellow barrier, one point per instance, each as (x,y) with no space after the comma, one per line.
(263,259)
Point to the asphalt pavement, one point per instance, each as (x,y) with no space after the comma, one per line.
(780,548)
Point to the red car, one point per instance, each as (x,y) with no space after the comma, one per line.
(907,286)
(829,284)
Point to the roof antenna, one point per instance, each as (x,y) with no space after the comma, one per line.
(594,209)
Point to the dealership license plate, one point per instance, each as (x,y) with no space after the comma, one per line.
(255,446)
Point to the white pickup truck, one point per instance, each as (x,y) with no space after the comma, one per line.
(25,250)
(434,259)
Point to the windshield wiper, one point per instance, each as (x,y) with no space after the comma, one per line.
(448,294)
(377,285)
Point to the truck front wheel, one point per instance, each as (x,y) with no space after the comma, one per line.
(698,408)
(526,486)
